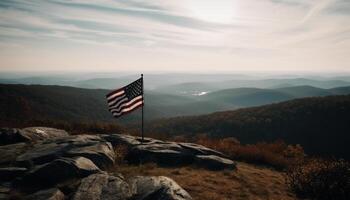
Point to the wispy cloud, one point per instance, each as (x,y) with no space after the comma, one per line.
(258,31)
(318,7)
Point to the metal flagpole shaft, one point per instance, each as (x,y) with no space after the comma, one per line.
(143,99)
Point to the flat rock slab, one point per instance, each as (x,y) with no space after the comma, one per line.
(157,188)
(41,153)
(31,134)
(43,133)
(103,187)
(92,147)
(58,171)
(119,139)
(9,153)
(213,162)
(170,153)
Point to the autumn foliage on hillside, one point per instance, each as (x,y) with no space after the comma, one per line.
(314,123)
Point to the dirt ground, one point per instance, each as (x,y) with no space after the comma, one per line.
(248,182)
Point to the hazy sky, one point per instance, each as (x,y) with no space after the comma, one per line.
(171,35)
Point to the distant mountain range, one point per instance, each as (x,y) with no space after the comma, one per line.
(69,103)
(320,124)
(181,84)
(192,88)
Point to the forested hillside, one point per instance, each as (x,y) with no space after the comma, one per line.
(42,102)
(320,124)
(71,104)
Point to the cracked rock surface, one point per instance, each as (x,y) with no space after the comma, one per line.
(48,163)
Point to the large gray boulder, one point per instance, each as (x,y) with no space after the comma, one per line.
(157,188)
(58,171)
(102,154)
(102,186)
(49,194)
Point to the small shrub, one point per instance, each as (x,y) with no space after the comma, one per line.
(120,152)
(320,179)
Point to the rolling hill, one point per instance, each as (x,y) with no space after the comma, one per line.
(320,124)
(72,104)
(246,97)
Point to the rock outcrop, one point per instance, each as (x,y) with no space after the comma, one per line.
(170,153)
(47,163)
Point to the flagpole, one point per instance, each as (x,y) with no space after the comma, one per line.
(143,99)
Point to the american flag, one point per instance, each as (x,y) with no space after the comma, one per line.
(126,99)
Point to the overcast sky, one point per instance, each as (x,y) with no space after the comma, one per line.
(175,35)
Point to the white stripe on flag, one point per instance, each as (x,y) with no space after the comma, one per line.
(126,104)
(110,103)
(127,109)
(125,99)
(116,94)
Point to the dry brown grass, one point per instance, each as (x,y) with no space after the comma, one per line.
(276,154)
(248,182)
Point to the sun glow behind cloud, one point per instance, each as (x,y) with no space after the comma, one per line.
(195,35)
(221,11)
